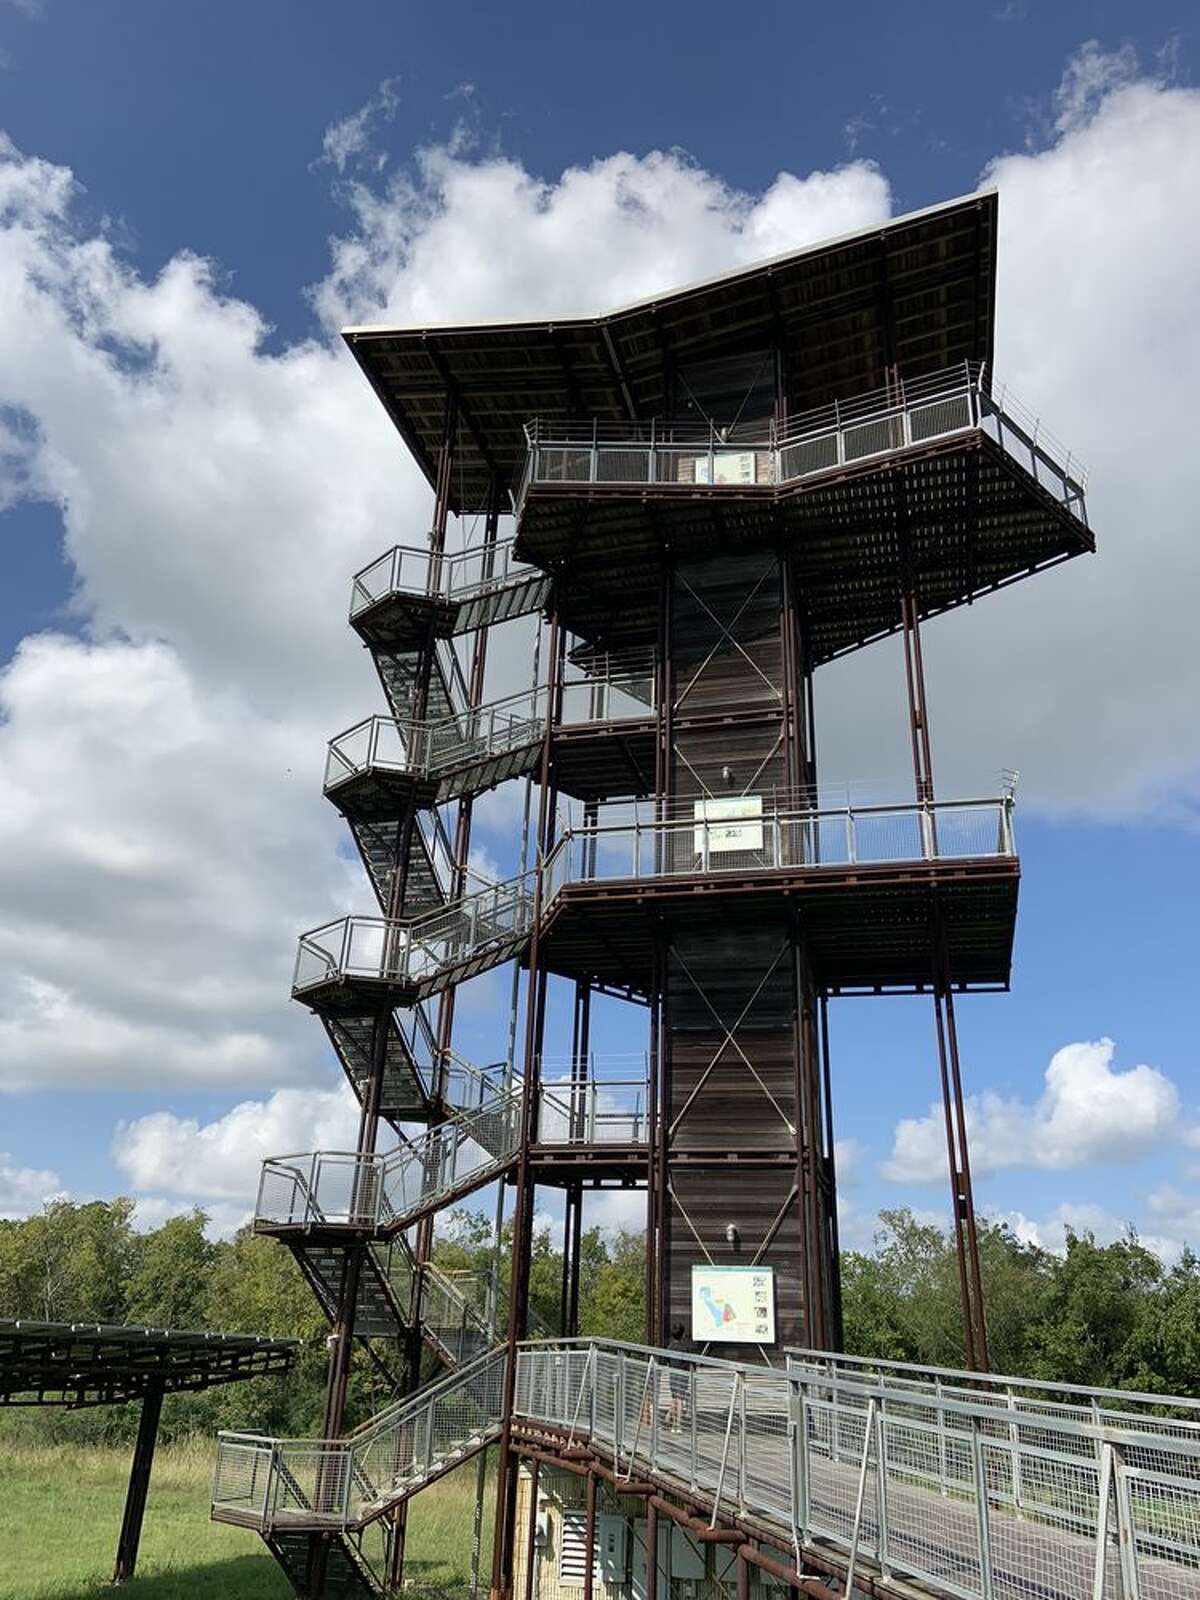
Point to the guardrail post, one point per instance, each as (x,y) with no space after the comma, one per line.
(981,1509)
(1103,1502)
(881,1487)
(928,840)
(619,1410)
(1014,1437)
(1126,1527)
(692,1416)
(742,1444)
(795,1470)
(733,1400)
(860,1498)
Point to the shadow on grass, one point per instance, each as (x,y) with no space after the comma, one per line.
(249,1577)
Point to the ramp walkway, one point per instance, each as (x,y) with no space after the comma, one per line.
(980,1489)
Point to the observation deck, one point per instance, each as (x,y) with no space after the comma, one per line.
(863,880)
(943,472)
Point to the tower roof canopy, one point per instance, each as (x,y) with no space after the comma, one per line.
(918,292)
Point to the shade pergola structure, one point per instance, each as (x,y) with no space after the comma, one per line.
(75,1364)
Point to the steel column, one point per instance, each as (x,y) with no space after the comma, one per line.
(531,1536)
(966,1237)
(535,1016)
(589,1539)
(139,1484)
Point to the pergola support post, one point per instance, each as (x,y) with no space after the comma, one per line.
(139,1485)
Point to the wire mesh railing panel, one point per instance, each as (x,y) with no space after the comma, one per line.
(241,1477)
(453,1156)
(1043,1519)
(852,430)
(836,1438)
(817,453)
(606,1399)
(767,1482)
(930,1525)
(310,1484)
(1165,1515)
(283,1192)
(592,1113)
(947,415)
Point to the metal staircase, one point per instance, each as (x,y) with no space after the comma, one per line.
(288,1486)
(348,1576)
(446,694)
(386,1285)
(405,1090)
(410,594)
(327,1192)
(394,1295)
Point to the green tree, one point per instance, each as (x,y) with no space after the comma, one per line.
(167,1286)
(1087,1331)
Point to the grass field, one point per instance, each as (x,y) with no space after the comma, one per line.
(60,1514)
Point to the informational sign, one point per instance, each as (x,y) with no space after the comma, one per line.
(726,466)
(733,1305)
(728,824)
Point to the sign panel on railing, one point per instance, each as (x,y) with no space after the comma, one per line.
(733,1305)
(726,467)
(734,824)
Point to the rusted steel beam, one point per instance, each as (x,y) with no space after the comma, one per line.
(535,1017)
(139,1484)
(590,1538)
(531,1537)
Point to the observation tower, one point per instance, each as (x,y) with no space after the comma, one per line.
(685,508)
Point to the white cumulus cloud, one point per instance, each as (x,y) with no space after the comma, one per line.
(162,1154)
(25,1189)
(161,833)
(1087,1112)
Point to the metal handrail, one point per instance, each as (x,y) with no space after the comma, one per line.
(274,1483)
(437,745)
(371,1190)
(593,1112)
(946,1490)
(908,413)
(419,570)
(495,922)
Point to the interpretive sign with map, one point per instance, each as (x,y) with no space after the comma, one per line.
(733,1305)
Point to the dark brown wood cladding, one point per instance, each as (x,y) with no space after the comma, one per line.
(755,1201)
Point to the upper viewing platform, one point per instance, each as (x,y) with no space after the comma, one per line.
(838,400)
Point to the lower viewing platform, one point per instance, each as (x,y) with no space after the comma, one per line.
(952,1483)
(870,885)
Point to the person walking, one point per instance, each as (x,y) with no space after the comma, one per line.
(677,1377)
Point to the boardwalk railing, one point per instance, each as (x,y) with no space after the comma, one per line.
(976,1501)
(570,456)
(964,1498)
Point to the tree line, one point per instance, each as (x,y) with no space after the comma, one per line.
(1113,1315)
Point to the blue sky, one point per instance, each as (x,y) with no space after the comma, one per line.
(195,195)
